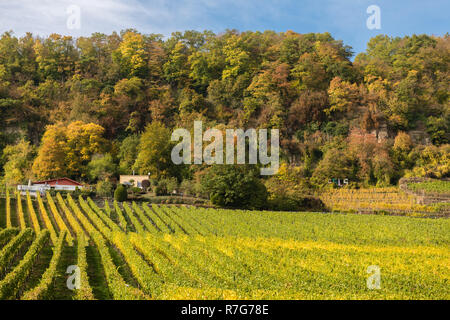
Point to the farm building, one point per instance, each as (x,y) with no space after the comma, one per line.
(133,180)
(61,184)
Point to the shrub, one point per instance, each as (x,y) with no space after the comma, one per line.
(77,192)
(160,189)
(87,193)
(120,194)
(235,186)
(187,187)
(136,190)
(290,203)
(104,188)
(171,185)
(283,204)
(145,184)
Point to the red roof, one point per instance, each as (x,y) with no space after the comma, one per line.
(59,182)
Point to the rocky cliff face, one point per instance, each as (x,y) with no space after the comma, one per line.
(381,133)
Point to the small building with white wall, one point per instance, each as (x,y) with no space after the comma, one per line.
(60,184)
(133,180)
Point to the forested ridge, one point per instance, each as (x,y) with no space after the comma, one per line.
(93,107)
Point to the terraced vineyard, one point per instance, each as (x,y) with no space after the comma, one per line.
(142,251)
(382,200)
(434,187)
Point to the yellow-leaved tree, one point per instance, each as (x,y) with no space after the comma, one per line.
(343,95)
(67,150)
(18,159)
(132,54)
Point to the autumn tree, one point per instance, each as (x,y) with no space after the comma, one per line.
(375,164)
(176,69)
(131,55)
(344,97)
(18,160)
(67,150)
(431,161)
(56,57)
(51,159)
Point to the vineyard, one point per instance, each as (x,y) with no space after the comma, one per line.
(136,250)
(441,187)
(385,201)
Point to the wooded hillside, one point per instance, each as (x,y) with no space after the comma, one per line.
(373,120)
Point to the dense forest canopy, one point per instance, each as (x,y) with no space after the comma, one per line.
(80,107)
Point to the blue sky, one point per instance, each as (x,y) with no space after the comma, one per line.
(344,19)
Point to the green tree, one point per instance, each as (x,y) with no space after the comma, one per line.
(104,188)
(102,167)
(56,56)
(128,152)
(336,164)
(439,129)
(187,187)
(154,152)
(235,186)
(171,185)
(176,69)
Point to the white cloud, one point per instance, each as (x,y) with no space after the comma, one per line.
(158,16)
(45,16)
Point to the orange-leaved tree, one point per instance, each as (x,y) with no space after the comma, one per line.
(66,150)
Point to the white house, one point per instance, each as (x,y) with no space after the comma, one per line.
(62,184)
